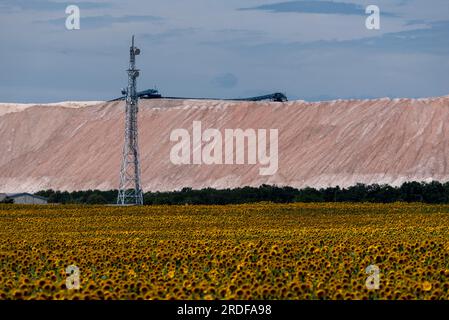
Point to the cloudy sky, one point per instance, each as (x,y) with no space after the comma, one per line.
(311,50)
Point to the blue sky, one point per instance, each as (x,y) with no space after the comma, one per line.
(311,50)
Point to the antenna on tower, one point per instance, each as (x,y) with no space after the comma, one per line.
(130,191)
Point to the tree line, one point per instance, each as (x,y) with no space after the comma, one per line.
(432,192)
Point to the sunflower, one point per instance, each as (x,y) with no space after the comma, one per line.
(426,286)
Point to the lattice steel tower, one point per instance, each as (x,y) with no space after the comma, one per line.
(130,191)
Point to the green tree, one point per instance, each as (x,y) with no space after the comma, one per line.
(96,198)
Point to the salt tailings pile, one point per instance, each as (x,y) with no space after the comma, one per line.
(77,146)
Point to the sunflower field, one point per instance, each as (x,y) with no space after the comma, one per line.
(253,251)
